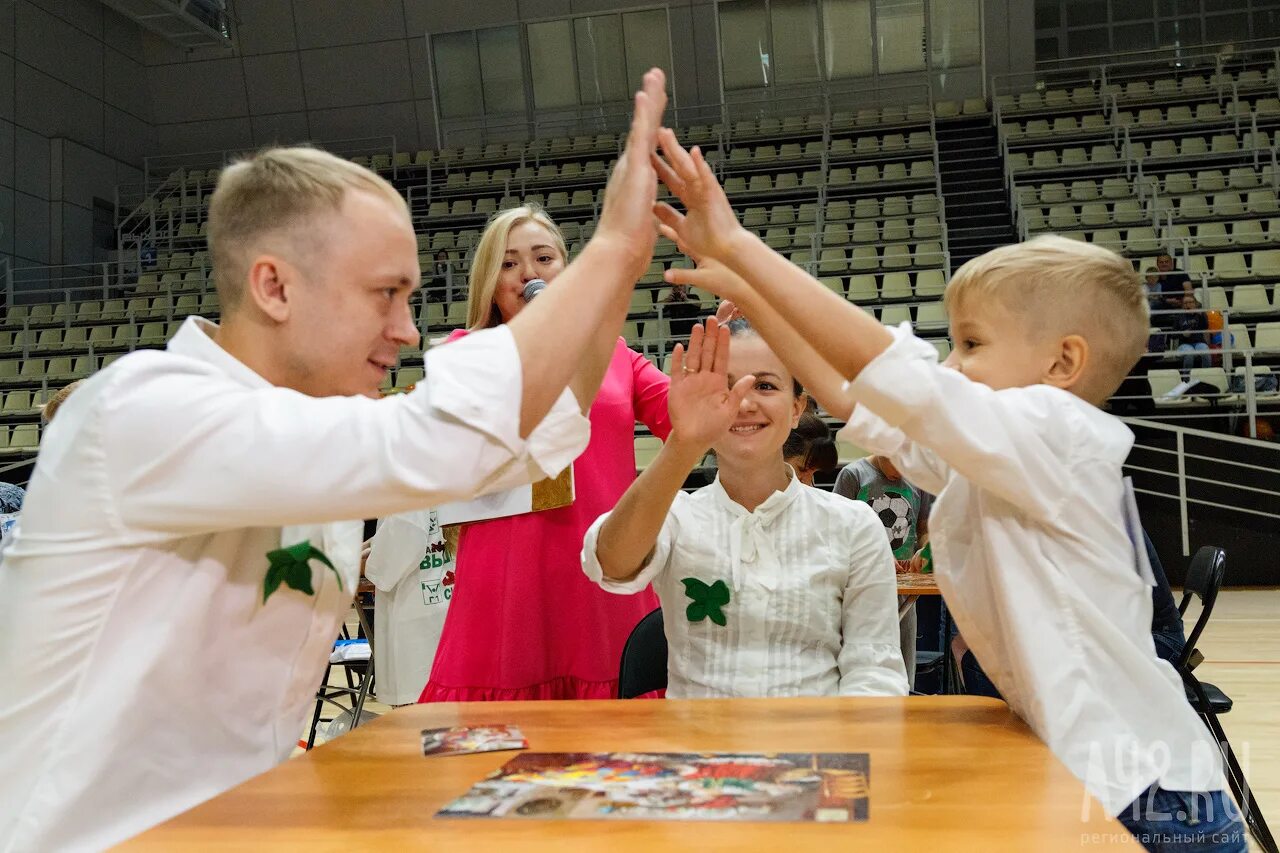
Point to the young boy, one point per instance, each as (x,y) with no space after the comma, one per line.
(1032,532)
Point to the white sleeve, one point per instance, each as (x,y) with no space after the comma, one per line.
(870,650)
(187,452)
(397,549)
(1013,443)
(657,563)
(919,465)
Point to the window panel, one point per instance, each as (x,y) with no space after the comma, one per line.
(551,64)
(1088,42)
(647,36)
(846,31)
(900,35)
(1082,13)
(744,44)
(954,37)
(1223,29)
(1048,14)
(795,40)
(1130,37)
(1047,49)
(501,69)
(1180,33)
(457,74)
(1131,10)
(602,74)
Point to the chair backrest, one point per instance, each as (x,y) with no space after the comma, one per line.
(644,658)
(1204,579)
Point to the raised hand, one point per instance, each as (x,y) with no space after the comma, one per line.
(709,274)
(708,227)
(701,403)
(626,216)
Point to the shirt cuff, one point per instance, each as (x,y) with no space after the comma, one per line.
(478,380)
(895,384)
(595,572)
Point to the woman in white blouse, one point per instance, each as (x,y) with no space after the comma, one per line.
(768,587)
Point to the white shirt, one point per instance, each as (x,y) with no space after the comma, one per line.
(1033,558)
(142,672)
(409,564)
(812,605)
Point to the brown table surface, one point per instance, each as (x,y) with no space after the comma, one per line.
(947,773)
(917,583)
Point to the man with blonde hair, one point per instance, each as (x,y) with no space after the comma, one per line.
(183,562)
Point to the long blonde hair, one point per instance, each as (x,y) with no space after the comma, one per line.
(486,266)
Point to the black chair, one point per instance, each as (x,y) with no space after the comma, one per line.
(644,658)
(1204,579)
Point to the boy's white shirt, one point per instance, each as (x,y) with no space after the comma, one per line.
(409,565)
(142,671)
(1033,558)
(813,595)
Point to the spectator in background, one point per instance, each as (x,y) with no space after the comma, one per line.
(682,308)
(1173,285)
(438,291)
(810,448)
(1192,336)
(904,511)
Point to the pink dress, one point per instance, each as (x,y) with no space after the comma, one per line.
(524,621)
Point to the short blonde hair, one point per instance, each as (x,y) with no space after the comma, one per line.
(55,402)
(1065,287)
(277,191)
(486,265)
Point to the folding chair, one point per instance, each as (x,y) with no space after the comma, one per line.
(359,676)
(644,658)
(1204,579)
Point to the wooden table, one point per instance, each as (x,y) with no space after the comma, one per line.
(947,773)
(912,585)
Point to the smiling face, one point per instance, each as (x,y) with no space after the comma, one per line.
(350,315)
(770,410)
(991,346)
(531,252)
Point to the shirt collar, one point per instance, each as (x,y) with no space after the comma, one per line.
(773,505)
(194,339)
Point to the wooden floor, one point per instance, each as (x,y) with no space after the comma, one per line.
(1242,656)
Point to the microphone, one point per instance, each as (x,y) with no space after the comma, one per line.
(533,288)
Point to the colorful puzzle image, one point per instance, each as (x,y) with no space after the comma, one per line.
(464,740)
(797,787)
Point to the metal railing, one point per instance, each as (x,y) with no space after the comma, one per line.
(1164,466)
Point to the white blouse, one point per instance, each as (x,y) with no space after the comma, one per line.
(812,606)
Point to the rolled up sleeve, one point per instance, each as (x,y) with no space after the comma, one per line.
(649,572)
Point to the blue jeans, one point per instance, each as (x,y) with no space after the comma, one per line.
(1194,355)
(1185,822)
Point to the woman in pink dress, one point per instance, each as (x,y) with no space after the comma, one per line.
(524,623)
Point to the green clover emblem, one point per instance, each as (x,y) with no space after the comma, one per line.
(707,600)
(291,566)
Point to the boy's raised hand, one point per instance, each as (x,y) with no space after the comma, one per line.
(708,227)
(701,403)
(626,217)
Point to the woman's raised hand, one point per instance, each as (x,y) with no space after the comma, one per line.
(701,403)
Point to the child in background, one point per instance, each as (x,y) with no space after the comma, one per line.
(904,511)
(1035,541)
(412,567)
(810,449)
(768,587)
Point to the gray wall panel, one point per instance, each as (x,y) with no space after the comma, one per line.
(432,16)
(52,108)
(280,129)
(31,154)
(398,119)
(266,26)
(60,50)
(216,135)
(127,137)
(356,74)
(7,148)
(31,228)
(328,23)
(125,84)
(6,86)
(275,83)
(196,91)
(6,221)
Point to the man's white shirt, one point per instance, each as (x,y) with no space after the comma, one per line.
(143,671)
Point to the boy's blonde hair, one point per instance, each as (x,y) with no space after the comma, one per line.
(279,192)
(1064,287)
(486,265)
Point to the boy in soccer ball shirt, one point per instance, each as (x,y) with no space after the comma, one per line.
(904,511)
(1034,542)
